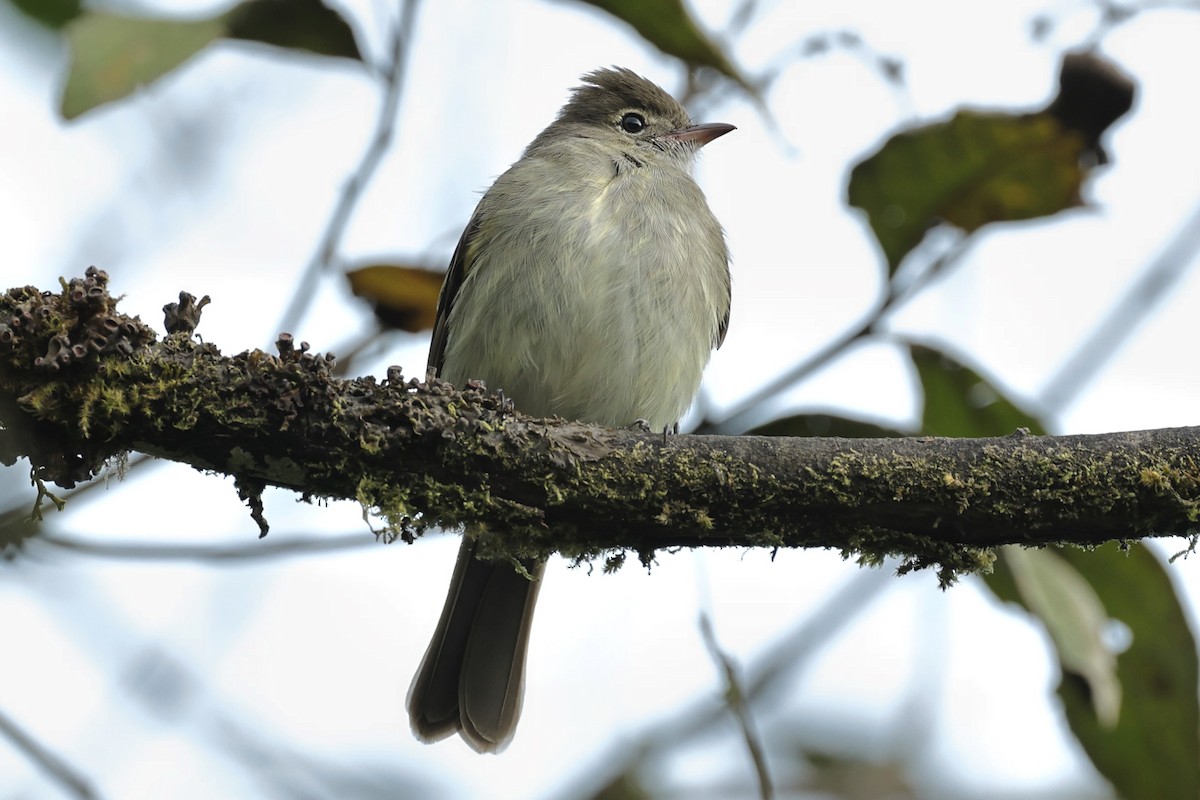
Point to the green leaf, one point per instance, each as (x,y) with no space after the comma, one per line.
(824,425)
(1152,751)
(669,26)
(974,169)
(112,55)
(960,402)
(51,13)
(295,24)
(1075,618)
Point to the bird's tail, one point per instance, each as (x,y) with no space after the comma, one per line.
(472,678)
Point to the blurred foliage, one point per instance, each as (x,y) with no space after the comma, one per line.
(1075,619)
(983,167)
(51,13)
(960,402)
(307,25)
(974,169)
(825,425)
(113,55)
(669,26)
(1092,94)
(403,297)
(1136,713)
(1152,749)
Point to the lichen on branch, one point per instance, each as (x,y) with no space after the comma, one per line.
(80,383)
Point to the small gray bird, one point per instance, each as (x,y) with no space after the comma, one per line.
(592,283)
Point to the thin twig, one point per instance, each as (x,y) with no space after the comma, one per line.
(371,343)
(1113,15)
(785,659)
(352,190)
(63,774)
(735,699)
(258,551)
(1130,311)
(16,524)
(740,19)
(889,68)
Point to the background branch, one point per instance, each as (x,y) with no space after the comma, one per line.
(64,775)
(392,75)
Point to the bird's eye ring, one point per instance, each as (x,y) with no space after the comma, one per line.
(633,122)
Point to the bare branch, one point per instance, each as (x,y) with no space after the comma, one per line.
(66,776)
(735,698)
(212,554)
(1135,306)
(392,74)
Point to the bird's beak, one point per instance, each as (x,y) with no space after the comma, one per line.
(700,135)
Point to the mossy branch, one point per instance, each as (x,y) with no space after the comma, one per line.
(81,383)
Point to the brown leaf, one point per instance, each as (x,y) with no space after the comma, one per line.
(403,297)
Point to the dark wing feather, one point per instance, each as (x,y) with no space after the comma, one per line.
(722,328)
(455,275)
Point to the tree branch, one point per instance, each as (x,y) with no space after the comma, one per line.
(81,383)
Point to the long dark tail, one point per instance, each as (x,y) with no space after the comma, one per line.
(472,678)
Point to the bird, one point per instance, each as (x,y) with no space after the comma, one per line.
(591,283)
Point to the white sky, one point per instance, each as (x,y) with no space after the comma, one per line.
(219,179)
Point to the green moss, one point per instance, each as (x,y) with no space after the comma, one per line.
(286,471)
(241,462)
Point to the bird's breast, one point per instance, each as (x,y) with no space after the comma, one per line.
(594,299)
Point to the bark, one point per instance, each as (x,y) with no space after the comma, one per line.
(81,383)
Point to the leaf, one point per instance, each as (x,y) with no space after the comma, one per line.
(403,297)
(669,26)
(980,167)
(51,13)
(113,55)
(295,24)
(1092,94)
(1152,750)
(961,402)
(824,425)
(972,170)
(1075,618)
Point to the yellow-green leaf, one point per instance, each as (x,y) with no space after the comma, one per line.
(669,26)
(112,55)
(971,170)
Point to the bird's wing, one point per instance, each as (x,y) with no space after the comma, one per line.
(455,275)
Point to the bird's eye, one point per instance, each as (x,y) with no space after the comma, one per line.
(633,123)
